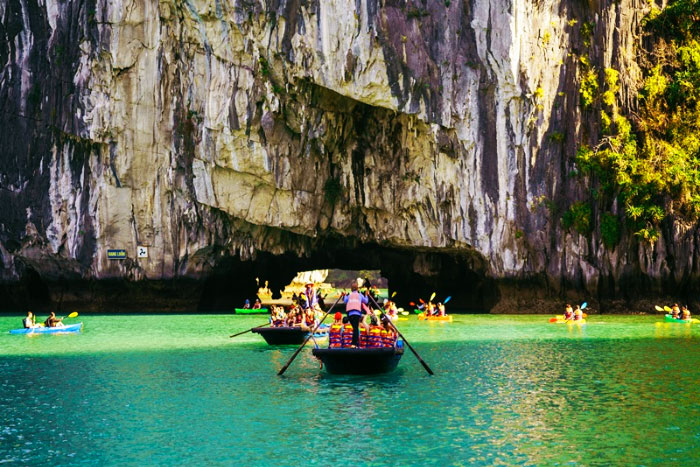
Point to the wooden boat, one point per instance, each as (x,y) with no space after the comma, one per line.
(44,330)
(346,361)
(250,311)
(446,318)
(286,335)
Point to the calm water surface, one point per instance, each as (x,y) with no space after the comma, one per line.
(145,389)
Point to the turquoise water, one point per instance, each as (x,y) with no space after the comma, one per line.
(169,390)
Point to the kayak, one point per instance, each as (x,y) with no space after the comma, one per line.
(671,319)
(250,311)
(446,318)
(571,321)
(59,330)
(345,361)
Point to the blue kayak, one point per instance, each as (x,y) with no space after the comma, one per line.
(60,330)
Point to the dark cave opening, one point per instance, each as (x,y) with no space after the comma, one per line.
(411,273)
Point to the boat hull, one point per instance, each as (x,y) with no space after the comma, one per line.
(359,361)
(671,319)
(447,318)
(287,335)
(250,311)
(73,328)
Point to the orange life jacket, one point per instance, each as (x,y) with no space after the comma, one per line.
(364,337)
(335,336)
(387,338)
(347,335)
(375,337)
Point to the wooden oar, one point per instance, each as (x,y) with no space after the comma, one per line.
(284,368)
(261,326)
(425,365)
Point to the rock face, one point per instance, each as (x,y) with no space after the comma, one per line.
(431,139)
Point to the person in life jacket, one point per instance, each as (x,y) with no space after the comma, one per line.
(246,306)
(347,332)
(387,333)
(353,307)
(53,322)
(257,305)
(441,309)
(310,318)
(568,312)
(310,296)
(364,332)
(578,314)
(335,333)
(30,321)
(685,313)
(375,334)
(675,311)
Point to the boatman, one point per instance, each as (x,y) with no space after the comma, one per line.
(310,296)
(353,307)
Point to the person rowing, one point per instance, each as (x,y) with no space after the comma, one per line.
(676,311)
(441,309)
(257,305)
(685,313)
(53,322)
(353,308)
(30,321)
(578,314)
(568,312)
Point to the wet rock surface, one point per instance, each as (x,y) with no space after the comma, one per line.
(250,138)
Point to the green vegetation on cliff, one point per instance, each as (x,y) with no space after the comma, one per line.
(649,161)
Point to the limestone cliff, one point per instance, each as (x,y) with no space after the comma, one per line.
(431,139)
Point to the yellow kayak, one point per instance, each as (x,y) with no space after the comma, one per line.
(447,318)
(571,321)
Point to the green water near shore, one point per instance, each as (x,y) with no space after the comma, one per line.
(168,390)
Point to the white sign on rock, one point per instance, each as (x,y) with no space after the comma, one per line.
(142,252)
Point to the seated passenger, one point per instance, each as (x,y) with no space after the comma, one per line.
(568,312)
(578,314)
(387,333)
(375,334)
(246,305)
(257,305)
(30,321)
(685,313)
(675,311)
(53,322)
(335,333)
(347,332)
(364,332)
(441,309)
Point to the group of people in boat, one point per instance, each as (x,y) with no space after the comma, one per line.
(305,311)
(573,315)
(371,334)
(433,309)
(29,322)
(680,312)
(256,306)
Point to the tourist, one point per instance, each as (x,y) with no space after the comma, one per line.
(348,331)
(246,306)
(53,322)
(30,321)
(387,333)
(335,333)
(353,308)
(364,332)
(441,309)
(309,319)
(375,334)
(578,314)
(685,313)
(676,311)
(257,305)
(568,312)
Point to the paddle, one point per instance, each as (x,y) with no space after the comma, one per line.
(447,299)
(261,326)
(284,368)
(667,309)
(658,308)
(425,365)
(432,296)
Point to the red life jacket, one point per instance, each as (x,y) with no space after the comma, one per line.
(375,336)
(335,336)
(387,338)
(347,335)
(364,337)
